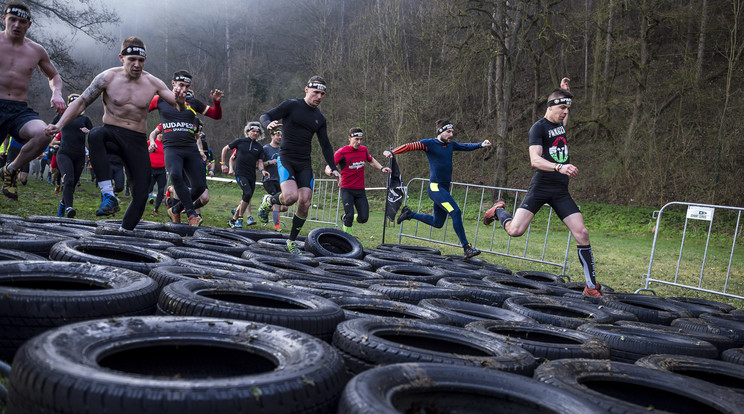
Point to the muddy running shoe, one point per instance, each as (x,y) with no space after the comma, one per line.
(470,251)
(109,205)
(405,214)
(250,221)
(236,223)
(592,292)
(265,207)
(292,247)
(490,215)
(263,215)
(70,212)
(195,221)
(175,217)
(9,183)
(155,213)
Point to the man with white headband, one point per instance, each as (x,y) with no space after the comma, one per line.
(351,160)
(18,57)
(439,152)
(549,156)
(301,119)
(249,154)
(126,92)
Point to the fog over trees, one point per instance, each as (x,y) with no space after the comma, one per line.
(657,83)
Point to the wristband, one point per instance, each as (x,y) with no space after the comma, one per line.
(558,167)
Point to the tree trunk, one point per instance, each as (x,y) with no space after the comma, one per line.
(701,42)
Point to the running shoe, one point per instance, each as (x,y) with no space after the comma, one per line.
(277,227)
(470,251)
(9,183)
(70,212)
(195,221)
(56,189)
(151,199)
(490,215)
(109,205)
(263,215)
(592,292)
(405,214)
(175,217)
(61,209)
(292,247)
(250,221)
(265,207)
(155,213)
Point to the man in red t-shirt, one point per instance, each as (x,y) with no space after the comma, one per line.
(351,160)
(157,162)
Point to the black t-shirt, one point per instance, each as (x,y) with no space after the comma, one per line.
(300,122)
(552,138)
(178,126)
(249,152)
(73,139)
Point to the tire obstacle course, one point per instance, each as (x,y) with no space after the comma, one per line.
(223,321)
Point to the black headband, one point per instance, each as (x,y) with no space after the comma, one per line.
(19,12)
(181,78)
(559,101)
(316,85)
(134,50)
(445,128)
(357,134)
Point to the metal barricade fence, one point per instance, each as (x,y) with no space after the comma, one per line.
(716,255)
(474,200)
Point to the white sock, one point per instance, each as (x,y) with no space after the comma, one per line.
(106,187)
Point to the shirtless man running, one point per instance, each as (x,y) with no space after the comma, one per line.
(19,58)
(127,92)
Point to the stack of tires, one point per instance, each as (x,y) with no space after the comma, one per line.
(168,319)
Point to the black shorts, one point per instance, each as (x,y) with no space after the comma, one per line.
(301,172)
(247,185)
(272,187)
(13,116)
(556,196)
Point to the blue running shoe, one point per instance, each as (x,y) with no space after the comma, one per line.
(70,212)
(61,209)
(250,221)
(109,205)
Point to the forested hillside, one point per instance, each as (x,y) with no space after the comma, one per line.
(657,83)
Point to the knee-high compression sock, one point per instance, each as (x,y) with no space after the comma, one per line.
(586,257)
(297,223)
(198,204)
(275,215)
(503,216)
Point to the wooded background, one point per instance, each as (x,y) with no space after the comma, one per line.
(657,83)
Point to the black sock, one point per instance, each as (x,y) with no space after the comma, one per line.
(503,216)
(275,200)
(297,223)
(198,204)
(586,257)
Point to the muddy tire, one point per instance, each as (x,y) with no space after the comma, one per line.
(175,365)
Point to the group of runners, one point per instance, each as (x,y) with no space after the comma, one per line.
(128,93)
